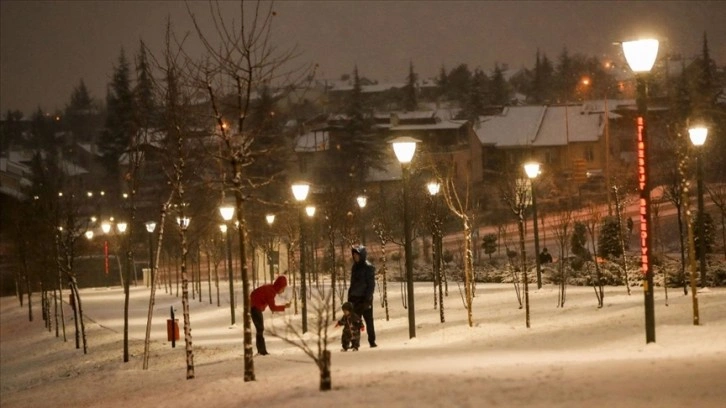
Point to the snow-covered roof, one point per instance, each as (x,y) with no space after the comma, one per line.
(72,169)
(407,115)
(520,126)
(314,141)
(444,124)
(563,124)
(515,126)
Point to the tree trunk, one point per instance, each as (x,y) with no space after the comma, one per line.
(152,295)
(325,380)
(185,308)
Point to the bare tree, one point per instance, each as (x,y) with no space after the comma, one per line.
(515,191)
(459,203)
(316,347)
(240,63)
(561,224)
(593,220)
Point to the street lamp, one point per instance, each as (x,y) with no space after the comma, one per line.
(150,228)
(698,136)
(310,211)
(270,218)
(437,244)
(404,148)
(89,235)
(227,212)
(362,202)
(300,192)
(641,55)
(532,170)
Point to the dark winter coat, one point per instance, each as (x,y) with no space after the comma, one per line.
(362,279)
(265,295)
(352,325)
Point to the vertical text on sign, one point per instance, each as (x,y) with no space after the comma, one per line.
(643,202)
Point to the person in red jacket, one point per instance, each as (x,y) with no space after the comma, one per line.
(260,298)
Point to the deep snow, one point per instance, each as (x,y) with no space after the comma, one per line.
(576,356)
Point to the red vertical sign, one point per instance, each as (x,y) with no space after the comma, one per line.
(643,202)
(105,255)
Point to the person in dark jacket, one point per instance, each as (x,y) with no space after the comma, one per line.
(352,326)
(545,257)
(362,286)
(261,298)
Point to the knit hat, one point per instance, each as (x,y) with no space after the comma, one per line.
(348,306)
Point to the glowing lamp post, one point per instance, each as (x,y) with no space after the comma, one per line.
(227,212)
(437,244)
(300,192)
(698,138)
(362,202)
(150,228)
(404,148)
(270,218)
(641,55)
(532,170)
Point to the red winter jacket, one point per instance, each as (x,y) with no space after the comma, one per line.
(265,295)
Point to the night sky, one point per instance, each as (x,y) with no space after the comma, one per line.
(46,47)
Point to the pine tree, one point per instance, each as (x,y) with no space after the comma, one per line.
(358,150)
(145,109)
(410,101)
(499,89)
(442,82)
(476,100)
(120,117)
(79,114)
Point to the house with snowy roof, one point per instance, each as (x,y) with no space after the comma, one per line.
(571,141)
(448,141)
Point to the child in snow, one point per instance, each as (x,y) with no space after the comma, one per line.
(352,326)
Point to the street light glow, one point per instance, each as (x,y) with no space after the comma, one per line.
(150,226)
(106,227)
(223,228)
(227,212)
(89,234)
(121,226)
(433,187)
(404,147)
(362,201)
(532,169)
(183,222)
(698,135)
(310,210)
(300,191)
(270,218)
(640,54)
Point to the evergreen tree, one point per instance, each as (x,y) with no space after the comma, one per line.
(11,132)
(459,83)
(358,149)
(475,102)
(145,108)
(500,94)
(566,79)
(410,101)
(538,82)
(578,241)
(442,82)
(120,117)
(547,74)
(608,244)
(80,114)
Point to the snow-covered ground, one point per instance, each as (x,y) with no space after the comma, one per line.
(576,356)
